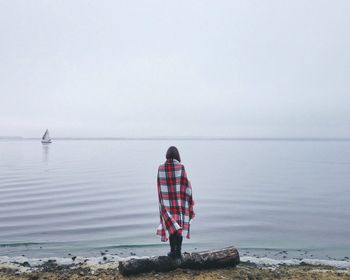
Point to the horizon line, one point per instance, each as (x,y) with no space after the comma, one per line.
(218,138)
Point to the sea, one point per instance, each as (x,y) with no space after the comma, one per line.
(276,200)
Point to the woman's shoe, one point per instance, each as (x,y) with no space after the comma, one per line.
(172,255)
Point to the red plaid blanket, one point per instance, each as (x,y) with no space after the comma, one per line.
(175,199)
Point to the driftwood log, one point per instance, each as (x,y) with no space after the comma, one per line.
(228,256)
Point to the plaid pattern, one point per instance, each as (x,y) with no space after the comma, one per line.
(175,199)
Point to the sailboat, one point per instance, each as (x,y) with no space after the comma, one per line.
(46,138)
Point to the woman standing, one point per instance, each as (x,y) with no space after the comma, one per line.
(175,201)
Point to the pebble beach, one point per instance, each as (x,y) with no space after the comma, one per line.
(50,270)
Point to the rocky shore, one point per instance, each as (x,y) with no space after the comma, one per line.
(50,270)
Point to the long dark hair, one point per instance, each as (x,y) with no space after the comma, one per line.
(173,153)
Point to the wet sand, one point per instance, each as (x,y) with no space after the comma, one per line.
(52,271)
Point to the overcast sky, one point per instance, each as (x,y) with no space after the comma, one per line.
(175,68)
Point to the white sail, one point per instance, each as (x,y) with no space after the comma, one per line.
(46,137)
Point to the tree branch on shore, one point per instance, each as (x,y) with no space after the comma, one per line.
(225,257)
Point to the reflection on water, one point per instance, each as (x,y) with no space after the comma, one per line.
(45,148)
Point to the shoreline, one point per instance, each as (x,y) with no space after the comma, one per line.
(50,270)
(108,259)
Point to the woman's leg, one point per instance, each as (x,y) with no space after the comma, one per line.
(178,245)
(173,243)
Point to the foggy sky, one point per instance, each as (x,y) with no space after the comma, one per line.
(175,68)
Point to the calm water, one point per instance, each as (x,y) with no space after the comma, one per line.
(83,197)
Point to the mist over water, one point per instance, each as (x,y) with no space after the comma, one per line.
(83,197)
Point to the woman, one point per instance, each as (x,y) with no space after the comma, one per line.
(175,201)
